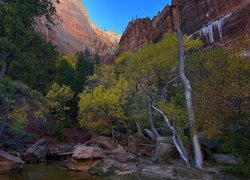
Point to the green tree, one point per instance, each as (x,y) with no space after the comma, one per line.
(100,107)
(59,96)
(19,44)
(65,71)
(221,90)
(84,68)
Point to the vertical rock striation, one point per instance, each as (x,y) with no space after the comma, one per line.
(74,31)
(214,21)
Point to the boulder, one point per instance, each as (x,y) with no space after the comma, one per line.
(84,158)
(165,152)
(101,141)
(119,154)
(10,163)
(84,152)
(140,145)
(225,159)
(209,143)
(60,150)
(119,160)
(37,152)
(82,165)
(109,165)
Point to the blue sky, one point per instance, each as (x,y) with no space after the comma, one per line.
(115,14)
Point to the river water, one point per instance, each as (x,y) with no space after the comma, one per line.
(53,170)
(48,171)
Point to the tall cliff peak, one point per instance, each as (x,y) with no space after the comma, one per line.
(214,21)
(75,31)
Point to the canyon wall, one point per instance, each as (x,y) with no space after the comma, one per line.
(214,21)
(74,31)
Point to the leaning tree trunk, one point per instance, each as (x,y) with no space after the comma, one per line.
(151,120)
(137,123)
(177,141)
(6,64)
(4,70)
(198,158)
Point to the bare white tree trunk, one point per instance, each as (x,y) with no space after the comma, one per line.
(151,120)
(177,142)
(4,70)
(150,134)
(138,126)
(198,158)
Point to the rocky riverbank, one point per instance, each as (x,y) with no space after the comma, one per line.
(99,156)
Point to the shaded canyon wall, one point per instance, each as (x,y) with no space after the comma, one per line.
(74,31)
(214,21)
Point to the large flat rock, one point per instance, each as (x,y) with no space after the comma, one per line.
(9,163)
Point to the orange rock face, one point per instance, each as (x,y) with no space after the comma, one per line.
(137,34)
(76,32)
(214,21)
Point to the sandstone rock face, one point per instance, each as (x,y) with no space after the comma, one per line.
(9,163)
(76,32)
(119,159)
(137,34)
(37,152)
(140,145)
(83,152)
(144,30)
(215,21)
(82,165)
(84,158)
(101,141)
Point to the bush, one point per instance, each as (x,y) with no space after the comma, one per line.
(240,169)
(59,96)
(238,144)
(58,131)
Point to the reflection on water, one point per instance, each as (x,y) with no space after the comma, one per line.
(49,171)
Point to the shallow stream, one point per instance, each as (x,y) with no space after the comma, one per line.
(52,170)
(49,171)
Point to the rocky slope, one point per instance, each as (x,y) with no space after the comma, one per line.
(215,21)
(76,32)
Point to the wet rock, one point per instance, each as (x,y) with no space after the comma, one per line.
(37,152)
(84,158)
(10,163)
(225,159)
(140,145)
(82,165)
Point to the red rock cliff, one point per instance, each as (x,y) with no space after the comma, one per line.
(212,20)
(76,32)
